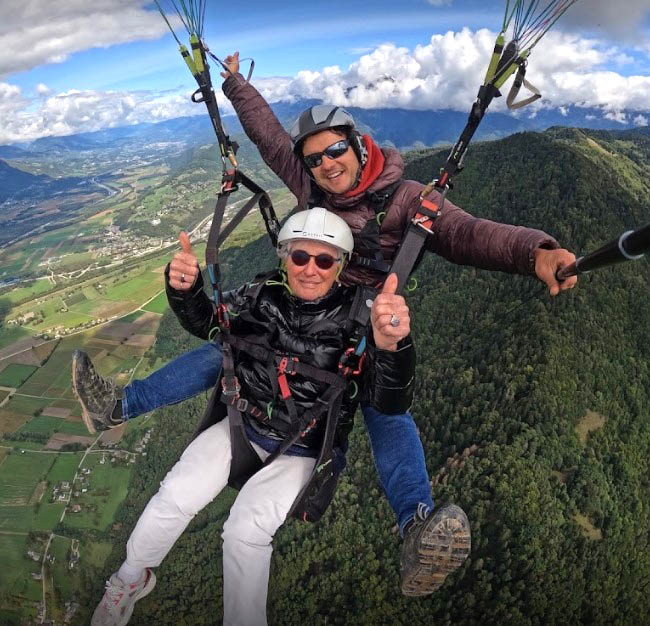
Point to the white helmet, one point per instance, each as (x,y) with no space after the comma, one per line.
(317,224)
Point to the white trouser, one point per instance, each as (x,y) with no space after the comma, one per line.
(259,510)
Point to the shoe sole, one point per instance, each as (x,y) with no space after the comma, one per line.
(85,414)
(445,543)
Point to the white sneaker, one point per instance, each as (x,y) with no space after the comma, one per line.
(116,606)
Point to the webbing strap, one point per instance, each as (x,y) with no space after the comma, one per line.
(266,355)
(408,254)
(520,79)
(324,457)
(216,236)
(325,404)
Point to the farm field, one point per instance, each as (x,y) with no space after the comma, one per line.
(46,426)
(15,374)
(19,475)
(108,485)
(64,467)
(16,572)
(109,305)
(11,334)
(158,304)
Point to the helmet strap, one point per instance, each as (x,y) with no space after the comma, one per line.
(359,147)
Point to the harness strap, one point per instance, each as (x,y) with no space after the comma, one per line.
(371,255)
(293,365)
(324,404)
(231,181)
(245,461)
(520,79)
(323,467)
(409,253)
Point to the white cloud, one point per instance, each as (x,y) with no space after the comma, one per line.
(80,111)
(36,32)
(440,3)
(640,120)
(43,90)
(446,74)
(443,74)
(616,116)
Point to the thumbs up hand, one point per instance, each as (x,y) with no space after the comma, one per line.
(389,316)
(184,267)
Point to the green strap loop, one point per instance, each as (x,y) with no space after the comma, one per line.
(380,217)
(412,284)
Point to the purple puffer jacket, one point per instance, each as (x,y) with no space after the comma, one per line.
(458,236)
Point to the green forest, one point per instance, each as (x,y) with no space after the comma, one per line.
(534,414)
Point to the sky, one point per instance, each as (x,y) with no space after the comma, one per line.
(72,66)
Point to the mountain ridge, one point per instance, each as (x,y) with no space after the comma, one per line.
(404,128)
(501,367)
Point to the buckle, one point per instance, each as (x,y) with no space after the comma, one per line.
(351,370)
(241,405)
(287,365)
(230,385)
(307,428)
(222,316)
(228,183)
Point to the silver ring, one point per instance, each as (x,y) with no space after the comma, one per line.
(182,277)
(394,321)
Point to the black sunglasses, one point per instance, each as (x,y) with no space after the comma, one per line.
(324,261)
(334,151)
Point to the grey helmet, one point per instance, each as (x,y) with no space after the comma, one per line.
(325,117)
(317,224)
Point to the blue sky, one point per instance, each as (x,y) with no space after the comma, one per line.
(70,65)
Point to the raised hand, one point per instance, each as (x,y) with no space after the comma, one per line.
(232,61)
(184,267)
(389,316)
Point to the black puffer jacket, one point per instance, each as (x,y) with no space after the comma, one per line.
(317,333)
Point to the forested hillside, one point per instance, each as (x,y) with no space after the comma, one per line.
(534,418)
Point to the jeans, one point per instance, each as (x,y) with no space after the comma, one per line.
(394,440)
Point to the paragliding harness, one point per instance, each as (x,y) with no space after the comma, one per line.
(367,247)
(317,493)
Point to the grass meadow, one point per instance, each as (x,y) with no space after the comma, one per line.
(15,374)
(108,487)
(64,467)
(19,475)
(46,425)
(12,334)
(158,304)
(66,579)
(16,571)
